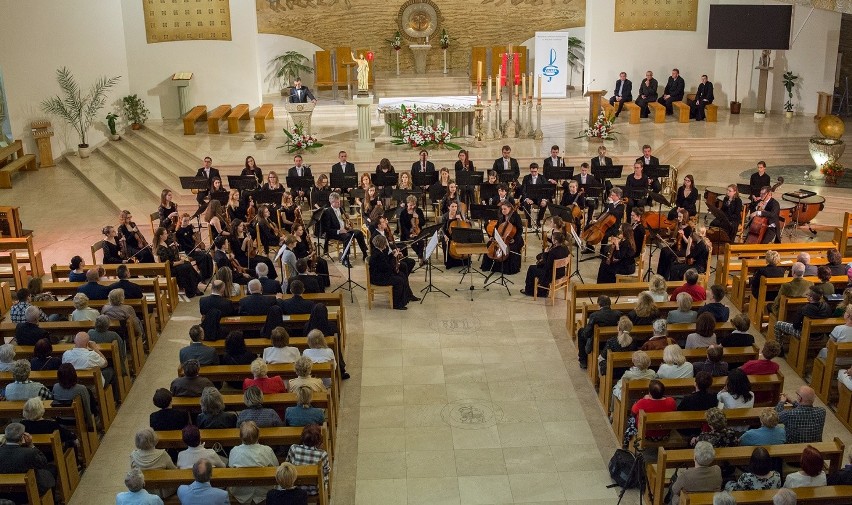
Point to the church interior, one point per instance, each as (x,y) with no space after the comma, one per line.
(474,394)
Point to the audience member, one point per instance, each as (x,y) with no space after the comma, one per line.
(720,435)
(639,370)
(737,391)
(704,476)
(811,474)
(655,401)
(43,358)
(195,450)
(213,414)
(740,337)
(18,311)
(203,354)
(35,423)
(658,340)
(704,335)
(804,422)
(82,311)
(280,351)
(255,411)
(769,433)
(303,414)
(23,388)
(101,334)
(784,497)
(720,311)
(796,288)
(604,316)
(684,312)
(7,357)
(18,455)
(805,259)
(701,399)
(167,418)
(200,492)
(287,493)
(309,452)
(658,288)
(29,332)
(251,454)
(674,364)
(697,292)
(67,388)
(217,299)
(261,379)
(191,384)
(770,270)
(835,262)
(92,288)
(713,364)
(840,334)
(117,310)
(816,308)
(645,312)
(136,494)
(256,303)
(131,291)
(270,286)
(303,367)
(146,456)
(760,475)
(824,284)
(296,304)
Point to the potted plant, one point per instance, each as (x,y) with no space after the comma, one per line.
(575,57)
(760,114)
(134,110)
(789,83)
(113,134)
(833,171)
(288,66)
(735,105)
(76,109)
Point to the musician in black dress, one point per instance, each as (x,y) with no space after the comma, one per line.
(638,229)
(621,256)
(732,207)
(669,255)
(186,240)
(532,179)
(570,197)
(464,164)
(543,268)
(269,235)
(697,255)
(236,208)
(452,215)
(769,208)
(183,271)
(289,213)
(134,242)
(252,169)
(112,248)
(438,190)
(167,210)
(381,227)
(406,224)
(306,248)
(452,195)
(687,196)
(383,273)
(758,181)
(385,167)
(639,181)
(512,263)
(612,206)
(320,192)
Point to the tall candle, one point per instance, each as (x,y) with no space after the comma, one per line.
(489,89)
(539,89)
(531,87)
(499,84)
(524,87)
(479,72)
(517,68)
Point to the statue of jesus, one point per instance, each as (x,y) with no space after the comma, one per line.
(363,73)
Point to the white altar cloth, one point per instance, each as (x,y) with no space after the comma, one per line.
(456,111)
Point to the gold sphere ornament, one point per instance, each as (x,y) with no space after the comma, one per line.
(831,127)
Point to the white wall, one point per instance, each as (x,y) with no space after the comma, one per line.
(269,46)
(36,40)
(223,71)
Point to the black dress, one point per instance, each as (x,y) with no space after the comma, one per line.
(467,191)
(382,274)
(187,277)
(697,259)
(165,222)
(669,258)
(544,271)
(733,210)
(687,202)
(623,262)
(406,221)
(303,250)
(112,253)
(186,242)
(134,247)
(512,264)
(449,261)
(293,496)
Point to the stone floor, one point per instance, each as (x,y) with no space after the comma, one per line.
(453,401)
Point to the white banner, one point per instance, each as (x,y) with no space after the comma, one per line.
(551,62)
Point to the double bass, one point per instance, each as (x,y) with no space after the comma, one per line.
(756,227)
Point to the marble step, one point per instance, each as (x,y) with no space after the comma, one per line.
(145,160)
(177,162)
(117,189)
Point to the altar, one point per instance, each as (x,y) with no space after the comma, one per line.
(456,111)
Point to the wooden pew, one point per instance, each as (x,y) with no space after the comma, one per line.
(823,495)
(336,316)
(682,110)
(226,477)
(60,272)
(237,114)
(24,252)
(798,353)
(5,297)
(85,428)
(215,116)
(25,483)
(198,113)
(580,291)
(677,331)
(744,270)
(735,252)
(843,233)
(844,401)
(12,159)
(664,308)
(665,421)
(635,112)
(684,458)
(65,460)
(632,391)
(733,356)
(759,307)
(824,373)
(658,112)
(260,117)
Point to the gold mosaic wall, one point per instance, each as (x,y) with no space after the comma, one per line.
(632,15)
(175,20)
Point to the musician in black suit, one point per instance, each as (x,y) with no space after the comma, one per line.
(623,92)
(342,166)
(647,93)
(614,207)
(301,94)
(673,92)
(646,159)
(208,172)
(534,178)
(585,179)
(554,160)
(506,163)
(383,273)
(758,181)
(543,269)
(335,224)
(299,170)
(296,304)
(216,300)
(769,208)
(703,97)
(601,160)
(422,165)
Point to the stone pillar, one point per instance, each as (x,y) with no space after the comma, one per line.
(365,132)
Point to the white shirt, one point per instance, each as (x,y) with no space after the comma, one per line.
(280,354)
(844,379)
(506,164)
(727,401)
(667,371)
(188,457)
(554,162)
(339,219)
(798,479)
(84,359)
(319,355)
(254,455)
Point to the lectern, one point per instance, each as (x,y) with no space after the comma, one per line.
(594,104)
(301,113)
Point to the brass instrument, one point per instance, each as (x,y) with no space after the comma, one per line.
(669,184)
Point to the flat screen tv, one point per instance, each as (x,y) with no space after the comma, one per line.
(750,27)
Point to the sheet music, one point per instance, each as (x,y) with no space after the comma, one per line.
(576,237)
(431,245)
(501,242)
(345,252)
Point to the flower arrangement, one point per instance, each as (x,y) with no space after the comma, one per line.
(445,39)
(602,129)
(413,134)
(298,140)
(396,41)
(832,170)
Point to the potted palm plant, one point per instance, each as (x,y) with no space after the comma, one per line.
(288,66)
(789,80)
(575,58)
(113,133)
(77,109)
(134,110)
(736,105)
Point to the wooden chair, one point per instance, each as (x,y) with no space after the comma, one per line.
(154,217)
(25,483)
(556,284)
(372,289)
(97,246)
(636,276)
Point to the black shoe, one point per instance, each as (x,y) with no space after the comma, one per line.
(584,365)
(414,298)
(400,308)
(344,376)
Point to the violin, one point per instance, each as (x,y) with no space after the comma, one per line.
(415,225)
(507,231)
(139,237)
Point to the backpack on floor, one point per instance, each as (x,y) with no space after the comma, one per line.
(623,470)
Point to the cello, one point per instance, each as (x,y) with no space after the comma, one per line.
(595,232)
(457,221)
(507,231)
(756,227)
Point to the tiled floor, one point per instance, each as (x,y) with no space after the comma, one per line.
(452,401)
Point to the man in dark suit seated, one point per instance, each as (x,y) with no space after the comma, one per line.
(310,283)
(29,332)
(91,288)
(343,166)
(647,93)
(673,92)
(382,273)
(196,350)
(335,225)
(532,179)
(423,165)
(506,164)
(131,290)
(646,159)
(703,98)
(296,304)
(299,93)
(270,286)
(255,304)
(554,160)
(208,172)
(623,93)
(217,300)
(299,170)
(605,316)
(601,160)
(18,455)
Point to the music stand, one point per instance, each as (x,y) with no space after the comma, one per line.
(483,213)
(349,284)
(302,183)
(559,173)
(382,179)
(242,182)
(718,214)
(487,191)
(343,182)
(506,177)
(320,198)
(430,232)
(539,192)
(657,171)
(466,180)
(423,180)
(401,195)
(469,236)
(265,196)
(501,280)
(316,221)
(604,173)
(199,184)
(222,196)
(577,242)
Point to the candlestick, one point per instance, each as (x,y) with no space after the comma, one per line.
(499,84)
(489,89)
(479,72)
(539,89)
(523,87)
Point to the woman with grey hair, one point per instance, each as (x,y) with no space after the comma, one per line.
(213,414)
(703,477)
(117,310)
(36,424)
(82,311)
(146,456)
(262,417)
(724,498)
(23,388)
(103,335)
(7,357)
(784,496)
(136,493)
(684,312)
(303,368)
(251,454)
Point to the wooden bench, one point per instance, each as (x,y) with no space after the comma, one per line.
(734,356)
(711,113)
(65,461)
(823,495)
(634,390)
(336,316)
(5,297)
(684,458)
(238,113)
(216,115)
(635,112)
(226,477)
(23,251)
(607,108)
(85,428)
(825,370)
(759,307)
(736,252)
(658,111)
(25,483)
(843,233)
(12,159)
(797,356)
(198,113)
(664,308)
(667,421)
(579,291)
(682,111)
(260,117)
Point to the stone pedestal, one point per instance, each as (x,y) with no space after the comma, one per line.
(421,53)
(301,113)
(365,133)
(761,87)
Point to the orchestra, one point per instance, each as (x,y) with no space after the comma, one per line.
(245,226)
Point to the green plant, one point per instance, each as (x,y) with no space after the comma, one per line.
(76,109)
(396,41)
(575,52)
(789,83)
(290,65)
(134,109)
(445,39)
(111,123)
